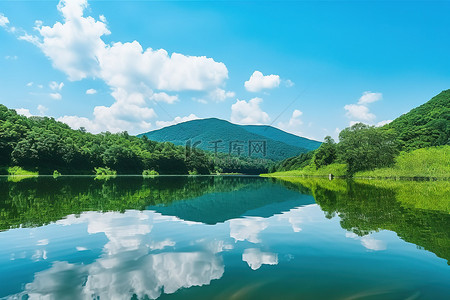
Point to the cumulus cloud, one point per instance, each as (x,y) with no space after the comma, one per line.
(255,258)
(75,46)
(220,95)
(250,112)
(294,124)
(369,97)
(359,112)
(368,241)
(91,91)
(115,118)
(56,96)
(3,21)
(164,97)
(128,266)
(176,121)
(247,229)
(258,82)
(24,112)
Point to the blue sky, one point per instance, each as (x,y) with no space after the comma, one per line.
(309,67)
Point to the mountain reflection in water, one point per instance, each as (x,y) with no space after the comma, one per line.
(219,237)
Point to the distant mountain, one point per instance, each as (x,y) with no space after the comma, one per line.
(426,125)
(246,140)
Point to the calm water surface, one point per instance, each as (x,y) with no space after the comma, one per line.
(222,238)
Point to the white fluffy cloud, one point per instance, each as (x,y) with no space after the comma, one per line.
(220,95)
(247,229)
(3,21)
(368,241)
(359,112)
(163,97)
(250,112)
(128,265)
(75,47)
(255,258)
(258,82)
(91,91)
(24,112)
(176,121)
(369,97)
(294,124)
(114,118)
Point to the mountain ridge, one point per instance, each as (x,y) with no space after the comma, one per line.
(232,138)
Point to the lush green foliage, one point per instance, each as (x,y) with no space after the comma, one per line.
(426,162)
(293,163)
(282,136)
(424,126)
(365,147)
(149,173)
(326,154)
(43,144)
(18,171)
(372,151)
(104,171)
(56,174)
(339,170)
(417,211)
(279,144)
(41,200)
(361,147)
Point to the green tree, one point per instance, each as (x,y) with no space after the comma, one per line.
(326,154)
(365,147)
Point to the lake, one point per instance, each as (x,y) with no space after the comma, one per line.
(223,237)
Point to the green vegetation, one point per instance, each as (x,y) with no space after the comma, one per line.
(193,172)
(338,170)
(38,201)
(424,126)
(407,147)
(427,162)
(417,211)
(16,174)
(279,144)
(18,171)
(104,171)
(56,174)
(45,145)
(149,173)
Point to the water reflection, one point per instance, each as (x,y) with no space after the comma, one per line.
(256,238)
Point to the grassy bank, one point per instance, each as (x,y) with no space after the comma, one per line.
(338,170)
(432,162)
(427,162)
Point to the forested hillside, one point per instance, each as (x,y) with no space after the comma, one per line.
(365,148)
(43,144)
(234,138)
(426,125)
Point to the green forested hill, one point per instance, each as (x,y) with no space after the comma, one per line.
(424,126)
(282,136)
(44,145)
(365,148)
(279,144)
